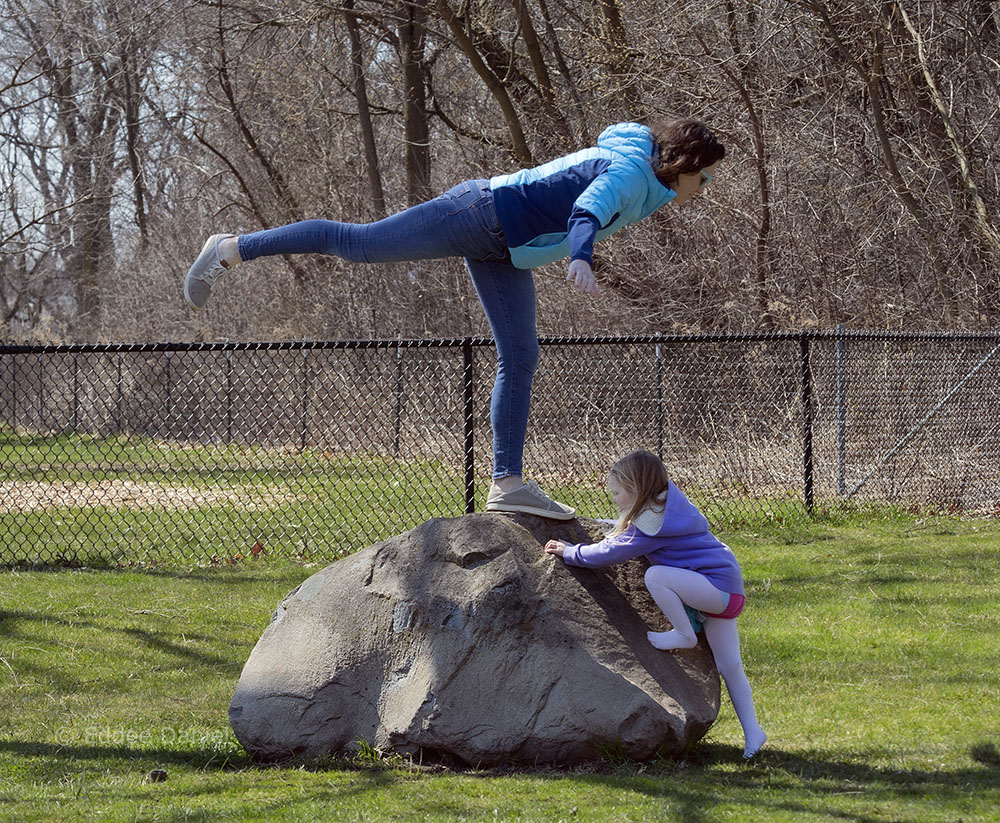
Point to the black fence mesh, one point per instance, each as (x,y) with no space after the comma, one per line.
(212,453)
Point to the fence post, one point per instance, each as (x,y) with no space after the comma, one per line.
(304,422)
(118,393)
(841,390)
(12,359)
(41,394)
(168,388)
(659,402)
(468,397)
(75,414)
(807,421)
(398,419)
(229,396)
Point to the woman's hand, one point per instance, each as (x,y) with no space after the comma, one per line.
(583,277)
(556,547)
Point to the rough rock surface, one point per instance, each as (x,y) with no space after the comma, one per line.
(460,641)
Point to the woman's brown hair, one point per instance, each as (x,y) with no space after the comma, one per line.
(683,147)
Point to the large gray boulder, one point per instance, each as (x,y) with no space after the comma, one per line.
(461,641)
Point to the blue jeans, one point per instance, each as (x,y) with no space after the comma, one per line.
(462,222)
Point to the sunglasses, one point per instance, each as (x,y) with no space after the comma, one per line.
(706,178)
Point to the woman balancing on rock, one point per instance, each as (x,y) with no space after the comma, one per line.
(690,567)
(504,227)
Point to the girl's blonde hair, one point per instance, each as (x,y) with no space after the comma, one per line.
(642,474)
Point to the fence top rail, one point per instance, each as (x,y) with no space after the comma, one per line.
(392,343)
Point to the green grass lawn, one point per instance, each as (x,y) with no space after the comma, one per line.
(82,500)
(74,499)
(872,649)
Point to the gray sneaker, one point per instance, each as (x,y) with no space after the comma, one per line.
(205,273)
(530,499)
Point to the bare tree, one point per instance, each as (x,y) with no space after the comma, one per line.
(364,111)
(861,183)
(78,75)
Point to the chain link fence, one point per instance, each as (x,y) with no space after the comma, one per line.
(214,453)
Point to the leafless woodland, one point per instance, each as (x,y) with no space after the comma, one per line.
(861,185)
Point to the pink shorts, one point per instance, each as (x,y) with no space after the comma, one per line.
(732,611)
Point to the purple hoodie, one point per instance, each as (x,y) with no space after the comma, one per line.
(683,541)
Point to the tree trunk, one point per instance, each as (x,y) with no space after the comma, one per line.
(546,90)
(622,60)
(375,189)
(493,83)
(412,39)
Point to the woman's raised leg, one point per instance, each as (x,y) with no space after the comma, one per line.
(459,223)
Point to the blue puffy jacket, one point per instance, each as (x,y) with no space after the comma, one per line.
(561,208)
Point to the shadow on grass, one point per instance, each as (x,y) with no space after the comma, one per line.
(806,783)
(227,757)
(221,573)
(855,768)
(211,758)
(705,759)
(841,786)
(828,778)
(158,640)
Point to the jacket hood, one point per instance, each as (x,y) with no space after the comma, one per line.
(681,517)
(678,516)
(634,141)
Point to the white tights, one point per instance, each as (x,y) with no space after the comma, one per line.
(671,588)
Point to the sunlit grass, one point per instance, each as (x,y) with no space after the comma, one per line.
(871,646)
(82,500)
(75,499)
